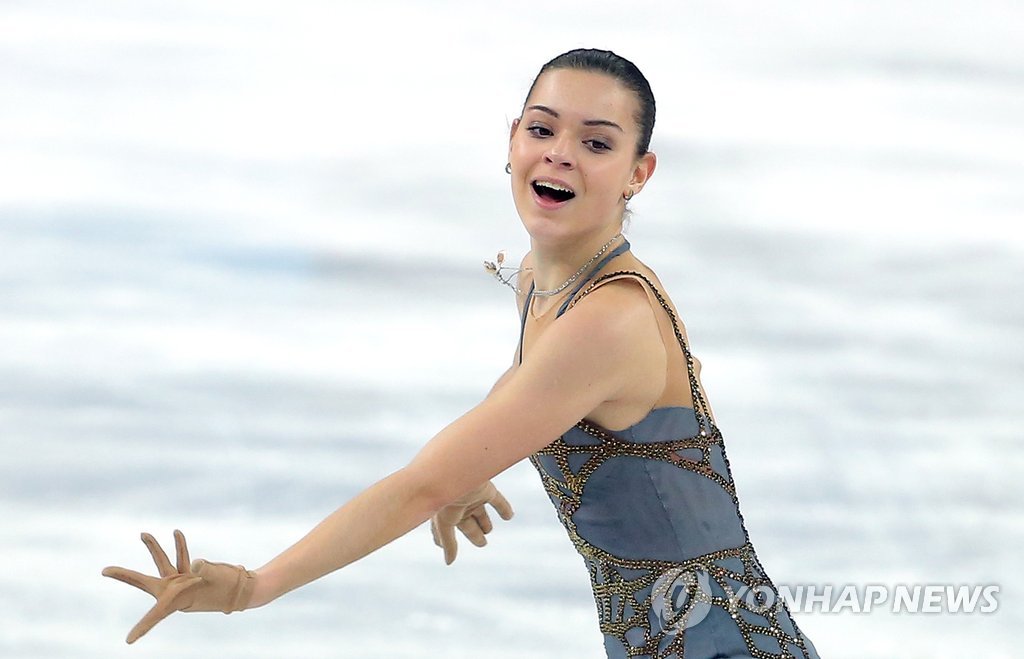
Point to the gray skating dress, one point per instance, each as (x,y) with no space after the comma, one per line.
(652,510)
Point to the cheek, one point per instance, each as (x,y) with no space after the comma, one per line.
(604,181)
(524,150)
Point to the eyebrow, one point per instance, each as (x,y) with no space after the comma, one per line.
(586,122)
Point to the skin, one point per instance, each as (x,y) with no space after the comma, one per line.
(603,360)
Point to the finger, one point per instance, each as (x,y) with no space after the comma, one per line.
(501,504)
(163,564)
(141,581)
(433,532)
(164,607)
(483,519)
(451,547)
(472,530)
(182,552)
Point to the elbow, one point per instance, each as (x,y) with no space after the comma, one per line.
(428,490)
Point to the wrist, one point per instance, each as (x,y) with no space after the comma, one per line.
(264,589)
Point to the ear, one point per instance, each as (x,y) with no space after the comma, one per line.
(643,171)
(512,133)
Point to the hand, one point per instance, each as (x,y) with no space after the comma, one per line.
(470,516)
(201,586)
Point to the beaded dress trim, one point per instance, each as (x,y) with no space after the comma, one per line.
(631,594)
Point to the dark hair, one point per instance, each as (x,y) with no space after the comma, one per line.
(620,68)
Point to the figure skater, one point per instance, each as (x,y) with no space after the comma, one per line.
(603,397)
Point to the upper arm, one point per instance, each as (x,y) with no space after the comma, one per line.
(578,362)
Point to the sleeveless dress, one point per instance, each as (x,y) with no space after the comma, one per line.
(652,510)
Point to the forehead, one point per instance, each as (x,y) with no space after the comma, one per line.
(582,95)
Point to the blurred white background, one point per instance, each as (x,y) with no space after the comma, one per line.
(240,280)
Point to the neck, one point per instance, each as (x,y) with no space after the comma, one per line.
(554,262)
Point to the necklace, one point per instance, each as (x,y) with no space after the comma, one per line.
(497,268)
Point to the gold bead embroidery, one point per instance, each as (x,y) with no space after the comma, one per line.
(613,591)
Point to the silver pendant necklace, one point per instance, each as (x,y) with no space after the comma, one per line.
(496,269)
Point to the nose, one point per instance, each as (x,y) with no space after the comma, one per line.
(559,152)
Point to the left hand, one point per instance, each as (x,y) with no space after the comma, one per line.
(470,516)
(199,586)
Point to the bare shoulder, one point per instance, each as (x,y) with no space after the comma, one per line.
(609,326)
(622,304)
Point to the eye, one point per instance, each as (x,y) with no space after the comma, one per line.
(598,145)
(539,131)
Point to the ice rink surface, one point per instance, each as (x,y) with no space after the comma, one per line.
(240,280)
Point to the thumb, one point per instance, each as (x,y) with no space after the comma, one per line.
(165,606)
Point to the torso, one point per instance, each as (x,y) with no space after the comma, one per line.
(643,487)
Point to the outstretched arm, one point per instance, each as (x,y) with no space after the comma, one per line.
(580,361)
(383,512)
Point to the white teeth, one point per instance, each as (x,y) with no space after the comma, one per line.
(554,186)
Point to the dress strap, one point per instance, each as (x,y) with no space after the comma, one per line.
(529,296)
(621,249)
(700,405)
(522,324)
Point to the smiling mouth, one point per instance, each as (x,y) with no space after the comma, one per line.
(552,191)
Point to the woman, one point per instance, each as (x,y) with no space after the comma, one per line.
(603,397)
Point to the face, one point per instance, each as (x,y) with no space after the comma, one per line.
(573,155)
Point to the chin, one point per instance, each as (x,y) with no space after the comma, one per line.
(547,230)
(538,223)
(548,226)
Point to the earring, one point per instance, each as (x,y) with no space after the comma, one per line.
(508,168)
(627,195)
